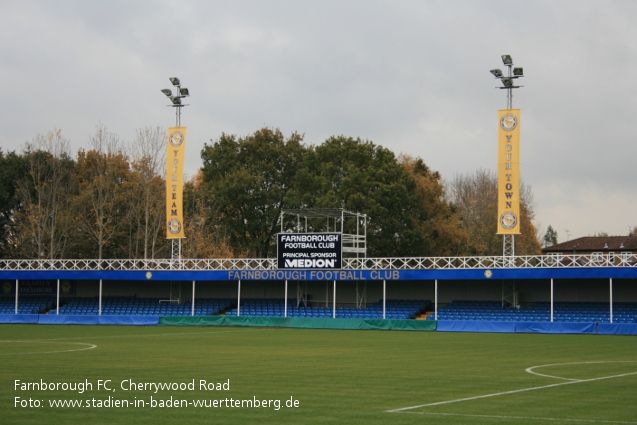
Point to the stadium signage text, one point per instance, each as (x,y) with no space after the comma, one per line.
(175,182)
(38,287)
(509,172)
(309,250)
(314,275)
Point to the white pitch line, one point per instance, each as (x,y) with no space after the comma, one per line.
(532,371)
(441,403)
(526,418)
(88,347)
(142,335)
(92,346)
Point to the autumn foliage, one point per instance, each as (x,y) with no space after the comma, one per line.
(108,201)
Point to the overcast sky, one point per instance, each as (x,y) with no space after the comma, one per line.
(412,76)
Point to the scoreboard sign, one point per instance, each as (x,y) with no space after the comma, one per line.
(309,250)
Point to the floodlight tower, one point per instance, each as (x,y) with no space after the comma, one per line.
(509,159)
(181,92)
(174,170)
(508,80)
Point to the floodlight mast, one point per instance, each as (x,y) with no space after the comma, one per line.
(508,241)
(181,93)
(508,81)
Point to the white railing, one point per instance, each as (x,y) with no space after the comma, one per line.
(399,263)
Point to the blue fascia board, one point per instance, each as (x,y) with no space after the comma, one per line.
(314,275)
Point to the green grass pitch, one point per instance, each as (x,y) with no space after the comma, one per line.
(317,376)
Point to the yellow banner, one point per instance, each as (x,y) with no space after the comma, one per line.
(175,183)
(509,172)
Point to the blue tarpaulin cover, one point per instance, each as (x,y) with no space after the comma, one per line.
(19,318)
(54,319)
(516,327)
(617,329)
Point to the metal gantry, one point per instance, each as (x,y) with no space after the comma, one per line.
(352,225)
(397,263)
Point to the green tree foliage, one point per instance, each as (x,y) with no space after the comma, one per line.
(362,177)
(550,237)
(245,180)
(12,168)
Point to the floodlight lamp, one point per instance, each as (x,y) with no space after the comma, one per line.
(508,82)
(175,81)
(176,100)
(183,91)
(497,73)
(167,92)
(507,60)
(518,72)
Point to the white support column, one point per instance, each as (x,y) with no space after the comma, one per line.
(285,300)
(239,298)
(99,307)
(436,299)
(611,299)
(551,299)
(57,310)
(193,298)
(384,298)
(17,289)
(334,302)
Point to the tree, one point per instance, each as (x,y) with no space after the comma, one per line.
(12,168)
(362,177)
(438,220)
(245,183)
(476,198)
(148,212)
(102,174)
(550,237)
(601,235)
(45,191)
(204,236)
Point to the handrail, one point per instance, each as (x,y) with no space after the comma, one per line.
(389,263)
